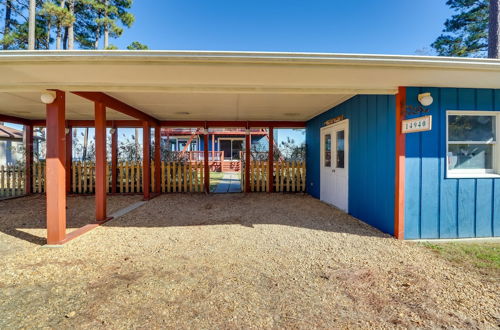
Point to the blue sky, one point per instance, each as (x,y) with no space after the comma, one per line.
(348,26)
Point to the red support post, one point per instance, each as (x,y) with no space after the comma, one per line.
(399,202)
(271,160)
(205,161)
(55,170)
(69,158)
(114,158)
(28,140)
(146,161)
(100,162)
(158,159)
(213,147)
(248,145)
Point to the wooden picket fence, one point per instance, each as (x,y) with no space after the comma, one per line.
(288,176)
(175,177)
(11,181)
(182,177)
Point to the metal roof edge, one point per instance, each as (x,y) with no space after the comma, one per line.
(156,56)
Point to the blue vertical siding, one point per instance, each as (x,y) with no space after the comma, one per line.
(437,207)
(371,157)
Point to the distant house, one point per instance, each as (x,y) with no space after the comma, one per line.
(225,146)
(11,144)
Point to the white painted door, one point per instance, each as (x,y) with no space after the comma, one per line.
(334,164)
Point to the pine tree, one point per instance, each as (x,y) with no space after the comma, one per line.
(136,45)
(466,32)
(56,14)
(84,22)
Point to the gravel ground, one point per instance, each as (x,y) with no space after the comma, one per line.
(233,261)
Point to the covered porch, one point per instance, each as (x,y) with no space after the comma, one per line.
(202,90)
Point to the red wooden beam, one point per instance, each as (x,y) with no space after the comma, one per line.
(157,160)
(146,161)
(117,105)
(213,147)
(180,123)
(277,124)
(205,161)
(28,140)
(235,124)
(91,123)
(248,145)
(114,158)
(69,158)
(188,143)
(100,162)
(15,120)
(55,171)
(399,203)
(271,160)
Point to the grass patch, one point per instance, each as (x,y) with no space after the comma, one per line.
(215,178)
(482,256)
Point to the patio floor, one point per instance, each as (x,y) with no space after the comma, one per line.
(230,183)
(228,261)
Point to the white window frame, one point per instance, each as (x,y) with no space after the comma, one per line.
(475,173)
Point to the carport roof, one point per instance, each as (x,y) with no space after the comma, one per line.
(208,85)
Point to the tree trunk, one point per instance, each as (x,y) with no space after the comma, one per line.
(71,28)
(97,37)
(494,30)
(58,36)
(106,26)
(59,28)
(49,26)
(65,38)
(136,144)
(85,144)
(106,36)
(8,20)
(32,25)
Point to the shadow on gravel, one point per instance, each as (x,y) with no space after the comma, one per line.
(19,214)
(297,210)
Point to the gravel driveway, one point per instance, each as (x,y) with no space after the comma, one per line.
(229,261)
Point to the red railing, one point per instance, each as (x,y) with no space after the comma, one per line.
(196,156)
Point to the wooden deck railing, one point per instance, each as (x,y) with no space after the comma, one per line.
(195,156)
(288,176)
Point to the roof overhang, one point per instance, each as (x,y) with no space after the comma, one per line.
(223,85)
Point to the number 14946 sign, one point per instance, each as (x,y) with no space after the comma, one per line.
(419,124)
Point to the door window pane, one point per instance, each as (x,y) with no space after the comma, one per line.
(182,144)
(173,145)
(470,156)
(328,150)
(471,128)
(225,145)
(237,148)
(340,149)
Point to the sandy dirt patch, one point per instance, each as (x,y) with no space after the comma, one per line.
(236,261)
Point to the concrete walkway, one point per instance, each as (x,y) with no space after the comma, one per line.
(230,183)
